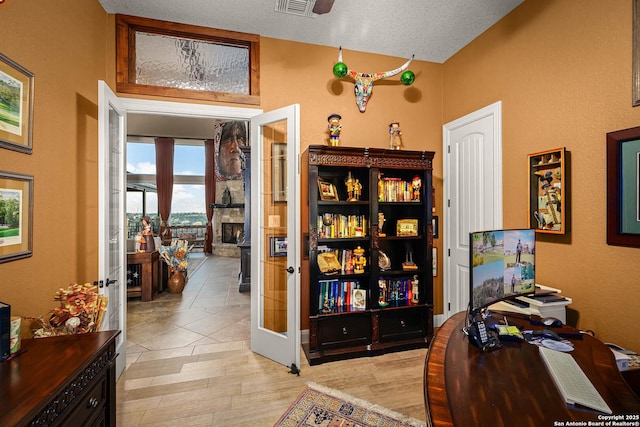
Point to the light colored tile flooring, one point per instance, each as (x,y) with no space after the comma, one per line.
(189,362)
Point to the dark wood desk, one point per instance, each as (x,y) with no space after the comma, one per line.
(150,279)
(511,385)
(68,380)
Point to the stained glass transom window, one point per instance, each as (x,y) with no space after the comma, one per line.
(185,63)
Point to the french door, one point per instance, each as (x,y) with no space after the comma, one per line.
(275,225)
(275,136)
(111,216)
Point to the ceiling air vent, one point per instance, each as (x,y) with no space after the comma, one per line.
(296,7)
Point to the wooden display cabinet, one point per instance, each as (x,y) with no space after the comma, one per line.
(548,191)
(378,202)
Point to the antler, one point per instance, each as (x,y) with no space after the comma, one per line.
(396,71)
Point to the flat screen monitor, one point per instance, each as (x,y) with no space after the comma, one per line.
(503,265)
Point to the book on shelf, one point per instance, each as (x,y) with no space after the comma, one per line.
(549,298)
(397,290)
(333,226)
(336,296)
(396,190)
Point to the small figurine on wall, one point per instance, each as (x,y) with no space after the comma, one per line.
(395,143)
(334,129)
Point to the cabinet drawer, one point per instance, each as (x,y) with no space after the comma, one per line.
(403,324)
(90,406)
(344,331)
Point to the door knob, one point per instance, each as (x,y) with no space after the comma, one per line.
(290,270)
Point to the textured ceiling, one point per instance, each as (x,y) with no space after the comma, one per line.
(433,30)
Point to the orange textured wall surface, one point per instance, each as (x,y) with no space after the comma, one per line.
(64,44)
(563,73)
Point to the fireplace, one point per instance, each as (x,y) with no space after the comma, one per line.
(232,232)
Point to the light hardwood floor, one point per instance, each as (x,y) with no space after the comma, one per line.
(189,363)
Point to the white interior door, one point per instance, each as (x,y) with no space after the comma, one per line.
(111,216)
(275,231)
(472,194)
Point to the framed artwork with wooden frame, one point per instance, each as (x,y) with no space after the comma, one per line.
(198,62)
(327,190)
(548,191)
(623,187)
(16,106)
(16,216)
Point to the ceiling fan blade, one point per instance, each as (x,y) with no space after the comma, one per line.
(322,6)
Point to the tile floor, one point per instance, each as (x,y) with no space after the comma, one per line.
(189,362)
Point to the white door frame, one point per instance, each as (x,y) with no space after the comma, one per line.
(180,109)
(168,108)
(495,112)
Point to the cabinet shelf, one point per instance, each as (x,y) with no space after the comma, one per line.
(399,272)
(342,203)
(408,203)
(419,237)
(326,240)
(404,322)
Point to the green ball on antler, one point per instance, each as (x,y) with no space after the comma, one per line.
(340,70)
(407,78)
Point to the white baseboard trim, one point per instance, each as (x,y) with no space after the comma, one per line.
(438,320)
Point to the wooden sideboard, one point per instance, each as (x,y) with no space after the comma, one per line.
(61,381)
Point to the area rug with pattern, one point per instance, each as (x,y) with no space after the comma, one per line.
(321,406)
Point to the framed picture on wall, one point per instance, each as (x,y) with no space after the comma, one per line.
(16,216)
(16,106)
(279,172)
(278,246)
(623,187)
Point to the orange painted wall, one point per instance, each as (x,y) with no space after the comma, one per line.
(64,44)
(302,73)
(563,73)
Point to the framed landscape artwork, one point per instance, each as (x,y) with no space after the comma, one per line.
(16,106)
(16,214)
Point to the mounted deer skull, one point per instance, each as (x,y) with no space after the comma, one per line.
(364,81)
